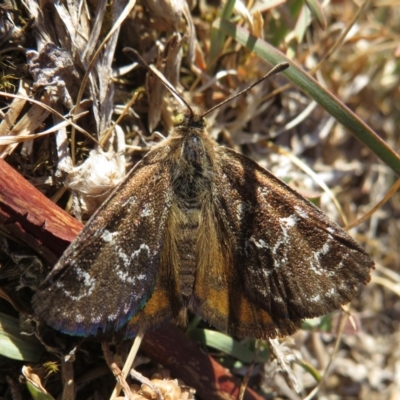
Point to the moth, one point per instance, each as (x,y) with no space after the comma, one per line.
(199,226)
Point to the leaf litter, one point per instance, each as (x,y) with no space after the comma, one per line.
(362,71)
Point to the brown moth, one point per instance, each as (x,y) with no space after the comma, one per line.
(199,226)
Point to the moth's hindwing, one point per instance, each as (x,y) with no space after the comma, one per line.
(109,272)
(219,295)
(283,260)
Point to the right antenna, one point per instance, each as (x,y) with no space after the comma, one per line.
(275,70)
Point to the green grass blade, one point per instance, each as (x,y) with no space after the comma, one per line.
(218,39)
(227,345)
(317,11)
(16,346)
(311,87)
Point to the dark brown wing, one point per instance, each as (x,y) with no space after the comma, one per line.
(284,260)
(109,272)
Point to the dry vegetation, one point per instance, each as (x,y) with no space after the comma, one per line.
(45,51)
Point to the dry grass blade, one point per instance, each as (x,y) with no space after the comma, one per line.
(129,362)
(377,206)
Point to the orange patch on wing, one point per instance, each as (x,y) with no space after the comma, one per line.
(157,310)
(231,311)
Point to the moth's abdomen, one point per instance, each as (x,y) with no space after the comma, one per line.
(188,228)
(188,220)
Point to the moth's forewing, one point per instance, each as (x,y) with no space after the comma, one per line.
(109,272)
(286,261)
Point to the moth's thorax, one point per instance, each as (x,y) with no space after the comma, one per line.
(193,160)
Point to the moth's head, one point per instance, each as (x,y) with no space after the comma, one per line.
(189,120)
